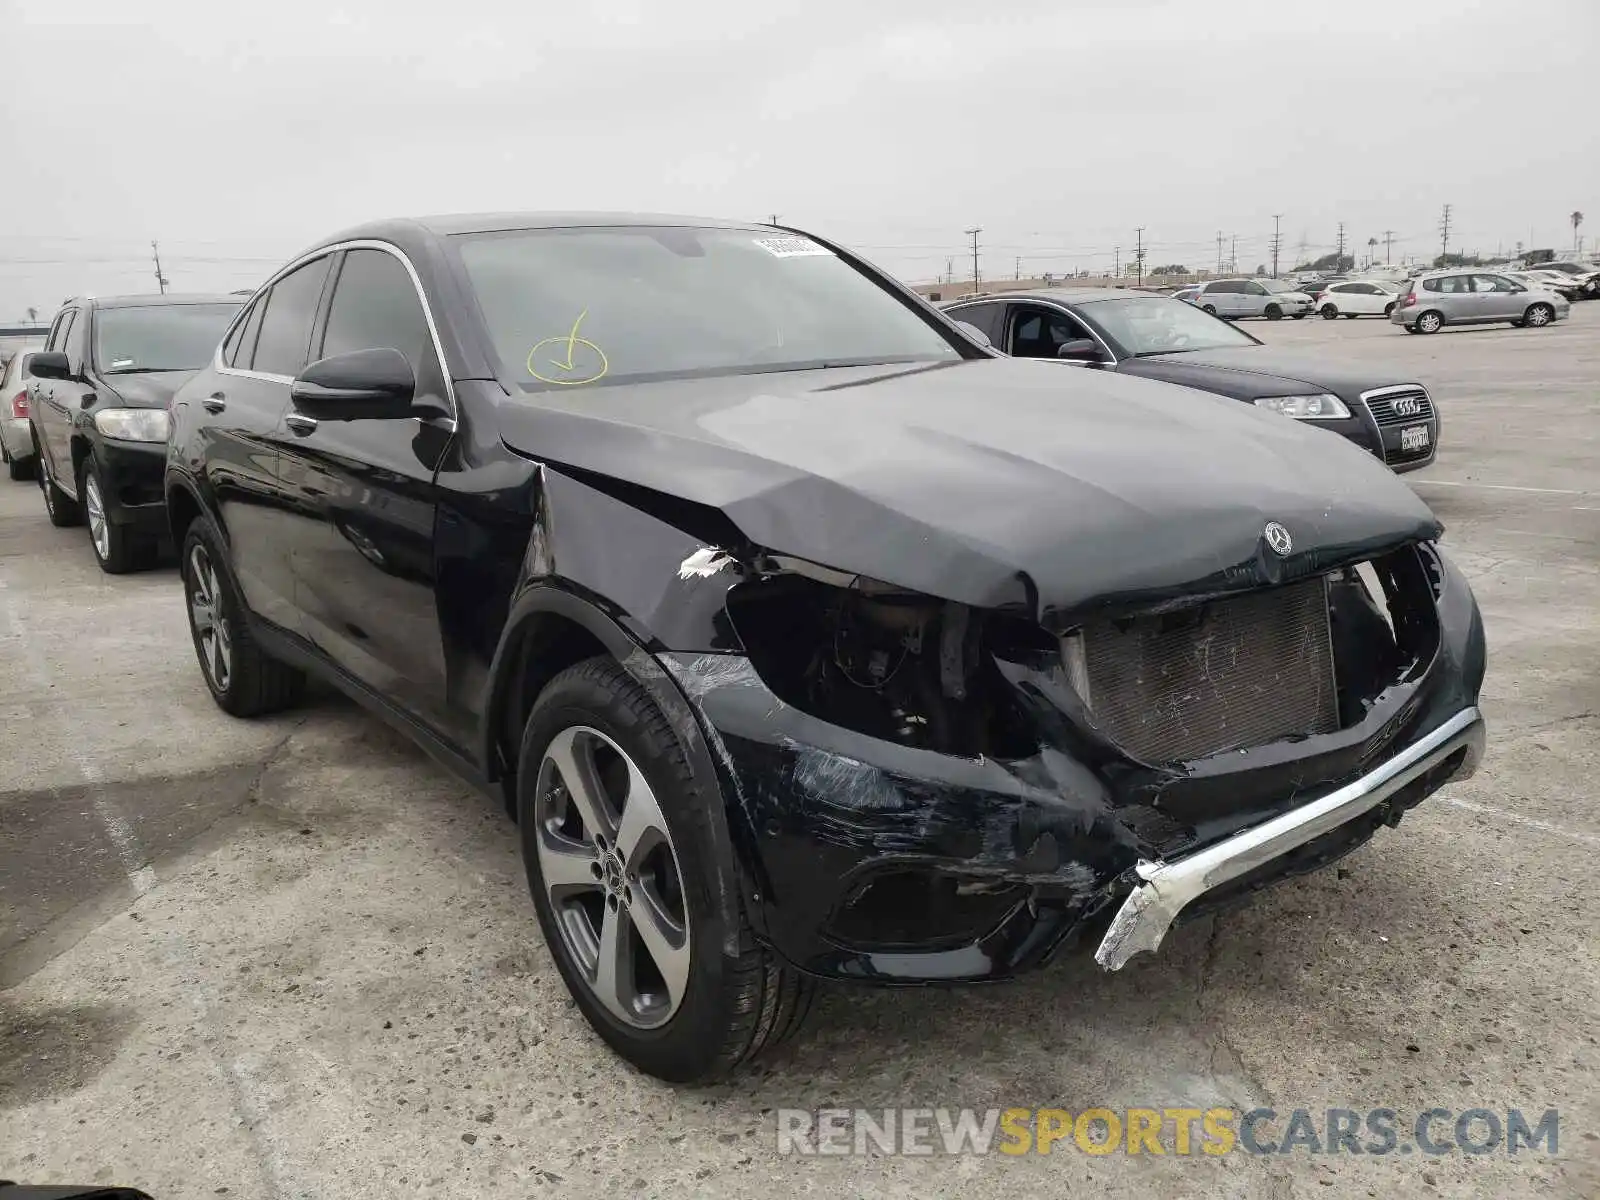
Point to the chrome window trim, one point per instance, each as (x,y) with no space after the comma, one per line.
(354,244)
(1051,304)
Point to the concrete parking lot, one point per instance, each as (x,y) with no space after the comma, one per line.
(293,958)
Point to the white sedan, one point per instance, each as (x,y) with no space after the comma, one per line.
(1358,298)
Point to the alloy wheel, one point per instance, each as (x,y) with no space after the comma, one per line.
(95,509)
(1538,315)
(610,872)
(208,621)
(1429,322)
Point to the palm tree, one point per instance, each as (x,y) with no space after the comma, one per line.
(33,316)
(1577,219)
(1372,250)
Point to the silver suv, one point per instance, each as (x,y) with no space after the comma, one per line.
(1467,296)
(1235,298)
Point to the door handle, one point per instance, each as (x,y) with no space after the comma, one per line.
(300,423)
(214,403)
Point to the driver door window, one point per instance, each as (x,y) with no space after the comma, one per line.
(1038,332)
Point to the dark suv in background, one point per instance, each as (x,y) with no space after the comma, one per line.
(98,410)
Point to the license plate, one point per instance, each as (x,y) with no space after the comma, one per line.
(1414,438)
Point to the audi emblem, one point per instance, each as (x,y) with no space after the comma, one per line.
(1407,406)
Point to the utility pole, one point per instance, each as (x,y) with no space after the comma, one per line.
(973,234)
(1219,252)
(1277,241)
(1018,274)
(1233,257)
(949,270)
(1388,243)
(774,220)
(1338,253)
(161,280)
(1138,253)
(1444,232)
(1116,262)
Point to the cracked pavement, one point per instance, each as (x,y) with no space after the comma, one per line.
(294,958)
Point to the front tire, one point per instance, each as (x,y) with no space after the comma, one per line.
(618,848)
(117,548)
(1539,315)
(1388,308)
(1430,322)
(1210,308)
(1330,313)
(1350,316)
(244,679)
(1273,313)
(20,469)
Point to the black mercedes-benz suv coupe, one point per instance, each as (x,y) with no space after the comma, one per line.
(98,412)
(802,635)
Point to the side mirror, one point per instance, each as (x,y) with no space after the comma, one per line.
(976,334)
(364,385)
(1081,349)
(49,364)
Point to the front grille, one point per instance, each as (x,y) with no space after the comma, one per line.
(1237,672)
(1382,407)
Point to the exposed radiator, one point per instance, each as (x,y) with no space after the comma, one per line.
(1234,673)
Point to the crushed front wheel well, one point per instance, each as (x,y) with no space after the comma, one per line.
(542,647)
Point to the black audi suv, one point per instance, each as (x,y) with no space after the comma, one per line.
(98,412)
(802,635)
(1391,417)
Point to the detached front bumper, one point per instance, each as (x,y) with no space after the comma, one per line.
(1456,747)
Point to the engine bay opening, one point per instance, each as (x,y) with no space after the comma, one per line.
(1384,623)
(887,663)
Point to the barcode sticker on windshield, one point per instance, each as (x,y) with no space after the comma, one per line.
(792,247)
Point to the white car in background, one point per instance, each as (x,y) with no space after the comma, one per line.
(1358,298)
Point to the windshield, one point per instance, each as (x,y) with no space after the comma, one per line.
(1161,325)
(158,337)
(570,307)
(1278,285)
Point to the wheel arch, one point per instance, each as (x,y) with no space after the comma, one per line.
(551,628)
(184,507)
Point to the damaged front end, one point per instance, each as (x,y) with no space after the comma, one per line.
(930,791)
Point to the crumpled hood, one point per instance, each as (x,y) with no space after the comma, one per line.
(1246,372)
(153,390)
(994,482)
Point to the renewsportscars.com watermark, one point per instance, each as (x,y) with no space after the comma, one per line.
(1170,1131)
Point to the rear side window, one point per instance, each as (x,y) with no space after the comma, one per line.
(985,316)
(1455,283)
(284,342)
(249,330)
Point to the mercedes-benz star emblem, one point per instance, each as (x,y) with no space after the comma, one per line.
(1278,538)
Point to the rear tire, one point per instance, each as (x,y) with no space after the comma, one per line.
(729,1007)
(244,679)
(20,468)
(61,508)
(1210,308)
(1538,315)
(1429,322)
(1350,316)
(117,548)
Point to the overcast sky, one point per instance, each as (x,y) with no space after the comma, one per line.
(238,133)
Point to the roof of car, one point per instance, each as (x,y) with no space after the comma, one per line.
(447,224)
(1069,295)
(136,301)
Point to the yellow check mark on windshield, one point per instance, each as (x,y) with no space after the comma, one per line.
(572,343)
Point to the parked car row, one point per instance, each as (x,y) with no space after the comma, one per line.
(1469,296)
(803,634)
(1160,337)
